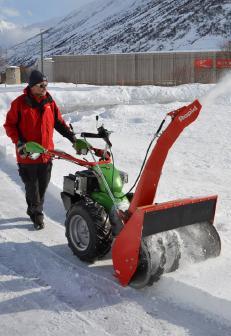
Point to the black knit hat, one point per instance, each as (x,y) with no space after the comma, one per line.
(36,77)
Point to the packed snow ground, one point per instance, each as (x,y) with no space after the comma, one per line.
(45,290)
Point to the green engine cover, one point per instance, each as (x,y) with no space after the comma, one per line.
(114,181)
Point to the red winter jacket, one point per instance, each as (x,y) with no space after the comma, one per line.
(30,119)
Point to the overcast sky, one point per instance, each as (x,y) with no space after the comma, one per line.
(25,12)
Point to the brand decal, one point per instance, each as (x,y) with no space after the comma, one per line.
(206,63)
(188,114)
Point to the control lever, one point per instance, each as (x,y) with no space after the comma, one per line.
(104,133)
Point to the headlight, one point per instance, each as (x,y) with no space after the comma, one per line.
(123,176)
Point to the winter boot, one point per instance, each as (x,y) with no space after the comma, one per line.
(31,215)
(38,222)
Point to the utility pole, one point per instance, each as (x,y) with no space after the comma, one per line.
(41,44)
(42,32)
(6,60)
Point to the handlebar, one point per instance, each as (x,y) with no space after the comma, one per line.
(103,133)
(35,148)
(56,154)
(90,135)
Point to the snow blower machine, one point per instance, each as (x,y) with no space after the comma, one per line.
(147,238)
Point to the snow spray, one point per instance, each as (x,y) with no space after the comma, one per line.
(221,88)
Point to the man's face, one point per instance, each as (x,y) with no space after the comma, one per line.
(39,89)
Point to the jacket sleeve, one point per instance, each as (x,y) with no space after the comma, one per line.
(61,126)
(11,123)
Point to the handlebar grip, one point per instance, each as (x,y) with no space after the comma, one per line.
(90,135)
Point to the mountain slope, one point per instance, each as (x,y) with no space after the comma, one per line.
(109,26)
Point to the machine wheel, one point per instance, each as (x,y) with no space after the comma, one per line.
(151,262)
(88,231)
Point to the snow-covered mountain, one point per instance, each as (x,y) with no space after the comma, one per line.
(43,25)
(109,26)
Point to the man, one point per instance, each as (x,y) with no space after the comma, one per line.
(33,116)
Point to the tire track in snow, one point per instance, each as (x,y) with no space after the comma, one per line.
(20,294)
(124,313)
(128,312)
(91,297)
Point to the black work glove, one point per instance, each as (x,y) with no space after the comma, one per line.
(21,149)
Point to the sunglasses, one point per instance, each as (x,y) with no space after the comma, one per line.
(41,86)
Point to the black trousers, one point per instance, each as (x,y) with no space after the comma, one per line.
(36,178)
